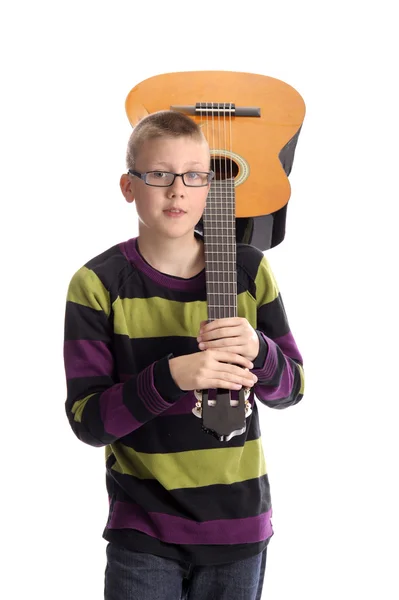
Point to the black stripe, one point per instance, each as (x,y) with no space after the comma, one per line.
(84,323)
(139,285)
(249,259)
(121,278)
(139,353)
(180,433)
(90,430)
(112,268)
(80,387)
(272,319)
(212,502)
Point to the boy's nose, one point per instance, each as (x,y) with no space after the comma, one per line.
(177,187)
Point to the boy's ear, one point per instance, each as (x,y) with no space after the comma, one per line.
(126,186)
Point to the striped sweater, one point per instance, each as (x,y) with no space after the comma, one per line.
(173,490)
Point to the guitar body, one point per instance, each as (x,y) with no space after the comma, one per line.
(253,143)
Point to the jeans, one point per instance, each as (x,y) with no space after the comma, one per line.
(139,576)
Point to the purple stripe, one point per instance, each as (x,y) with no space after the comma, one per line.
(177,530)
(130,251)
(116,417)
(148,392)
(87,358)
(183,406)
(288,346)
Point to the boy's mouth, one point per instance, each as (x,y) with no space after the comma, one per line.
(175,212)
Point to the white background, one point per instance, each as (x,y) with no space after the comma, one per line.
(66,69)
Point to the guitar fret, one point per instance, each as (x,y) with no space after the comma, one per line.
(217,271)
(228,264)
(224,285)
(219,306)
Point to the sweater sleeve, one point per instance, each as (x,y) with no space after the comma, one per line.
(100,409)
(279,365)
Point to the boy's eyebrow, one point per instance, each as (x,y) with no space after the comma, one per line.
(166,164)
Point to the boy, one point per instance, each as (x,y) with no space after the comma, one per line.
(188,514)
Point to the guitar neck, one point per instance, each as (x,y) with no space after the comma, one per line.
(220,250)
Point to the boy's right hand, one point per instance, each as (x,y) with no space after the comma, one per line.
(212,369)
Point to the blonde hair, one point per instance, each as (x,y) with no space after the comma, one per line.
(164,123)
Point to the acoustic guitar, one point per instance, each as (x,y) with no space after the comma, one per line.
(251,123)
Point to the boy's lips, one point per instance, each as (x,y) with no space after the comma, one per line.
(174,212)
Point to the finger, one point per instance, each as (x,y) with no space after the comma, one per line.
(221,343)
(225,385)
(220,323)
(235,349)
(221,333)
(239,376)
(225,379)
(223,356)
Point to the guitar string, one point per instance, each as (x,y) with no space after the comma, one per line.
(228,204)
(233,225)
(218,209)
(221,219)
(226,220)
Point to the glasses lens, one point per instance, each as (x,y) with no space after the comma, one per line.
(195,178)
(161,178)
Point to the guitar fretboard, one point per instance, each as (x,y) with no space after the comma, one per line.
(220,250)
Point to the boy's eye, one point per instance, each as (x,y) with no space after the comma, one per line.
(192,175)
(159,174)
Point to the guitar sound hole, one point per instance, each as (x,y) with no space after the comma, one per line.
(224,168)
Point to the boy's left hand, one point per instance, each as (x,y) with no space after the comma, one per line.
(234,334)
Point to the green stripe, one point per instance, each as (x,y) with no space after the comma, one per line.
(108,452)
(266,285)
(86,288)
(246,307)
(195,468)
(302,375)
(159,317)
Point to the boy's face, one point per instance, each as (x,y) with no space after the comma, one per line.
(176,155)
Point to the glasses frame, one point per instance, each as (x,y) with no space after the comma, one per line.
(143,177)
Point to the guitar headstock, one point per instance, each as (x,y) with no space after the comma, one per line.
(223,417)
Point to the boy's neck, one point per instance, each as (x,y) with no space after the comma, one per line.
(179,258)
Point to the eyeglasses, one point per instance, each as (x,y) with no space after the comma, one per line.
(166,179)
